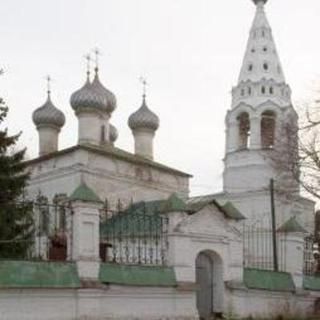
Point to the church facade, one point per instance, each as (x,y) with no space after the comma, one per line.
(137,246)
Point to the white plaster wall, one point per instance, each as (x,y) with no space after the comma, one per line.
(259,303)
(108,176)
(145,303)
(48,139)
(143,143)
(115,302)
(256,207)
(89,128)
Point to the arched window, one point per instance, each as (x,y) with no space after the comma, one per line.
(250,67)
(265,66)
(242,92)
(263,89)
(249,91)
(268,126)
(271,90)
(244,130)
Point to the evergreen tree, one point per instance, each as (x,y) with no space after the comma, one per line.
(16,220)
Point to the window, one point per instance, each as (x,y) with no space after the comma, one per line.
(263,33)
(249,91)
(268,125)
(271,90)
(253,50)
(263,89)
(265,49)
(265,66)
(242,92)
(244,130)
(250,67)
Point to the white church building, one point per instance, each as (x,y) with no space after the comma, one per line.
(121,238)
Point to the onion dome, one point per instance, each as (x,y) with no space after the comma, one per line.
(257,1)
(87,98)
(113,133)
(48,114)
(110,102)
(144,118)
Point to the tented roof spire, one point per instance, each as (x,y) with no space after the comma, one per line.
(261,59)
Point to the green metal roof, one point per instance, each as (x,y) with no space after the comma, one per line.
(268,280)
(137,275)
(292,225)
(29,274)
(231,211)
(131,224)
(228,209)
(311,283)
(84,193)
(173,204)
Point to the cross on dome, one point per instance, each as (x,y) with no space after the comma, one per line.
(97,53)
(144,86)
(88,60)
(48,79)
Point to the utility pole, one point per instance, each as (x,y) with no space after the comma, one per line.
(274,231)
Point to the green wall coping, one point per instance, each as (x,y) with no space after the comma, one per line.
(36,274)
(84,193)
(268,280)
(137,275)
(311,283)
(292,226)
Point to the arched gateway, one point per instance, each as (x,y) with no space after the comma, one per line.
(209,279)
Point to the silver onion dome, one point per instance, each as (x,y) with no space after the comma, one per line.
(48,114)
(110,102)
(113,133)
(87,98)
(144,118)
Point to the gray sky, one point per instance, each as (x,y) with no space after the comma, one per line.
(189,50)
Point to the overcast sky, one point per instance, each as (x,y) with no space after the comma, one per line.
(189,50)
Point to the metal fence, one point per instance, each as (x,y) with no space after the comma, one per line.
(258,248)
(135,235)
(46,236)
(309,262)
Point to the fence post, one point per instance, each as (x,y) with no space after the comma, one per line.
(292,237)
(85,236)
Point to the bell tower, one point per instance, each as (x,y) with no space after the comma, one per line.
(261,105)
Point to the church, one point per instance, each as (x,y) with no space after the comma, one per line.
(121,238)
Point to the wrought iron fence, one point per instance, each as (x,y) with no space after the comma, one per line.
(136,235)
(46,236)
(309,261)
(258,248)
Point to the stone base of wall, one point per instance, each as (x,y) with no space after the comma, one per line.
(114,302)
(243,303)
(144,303)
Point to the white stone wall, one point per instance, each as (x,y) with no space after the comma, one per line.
(143,142)
(48,139)
(114,302)
(268,304)
(256,207)
(108,176)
